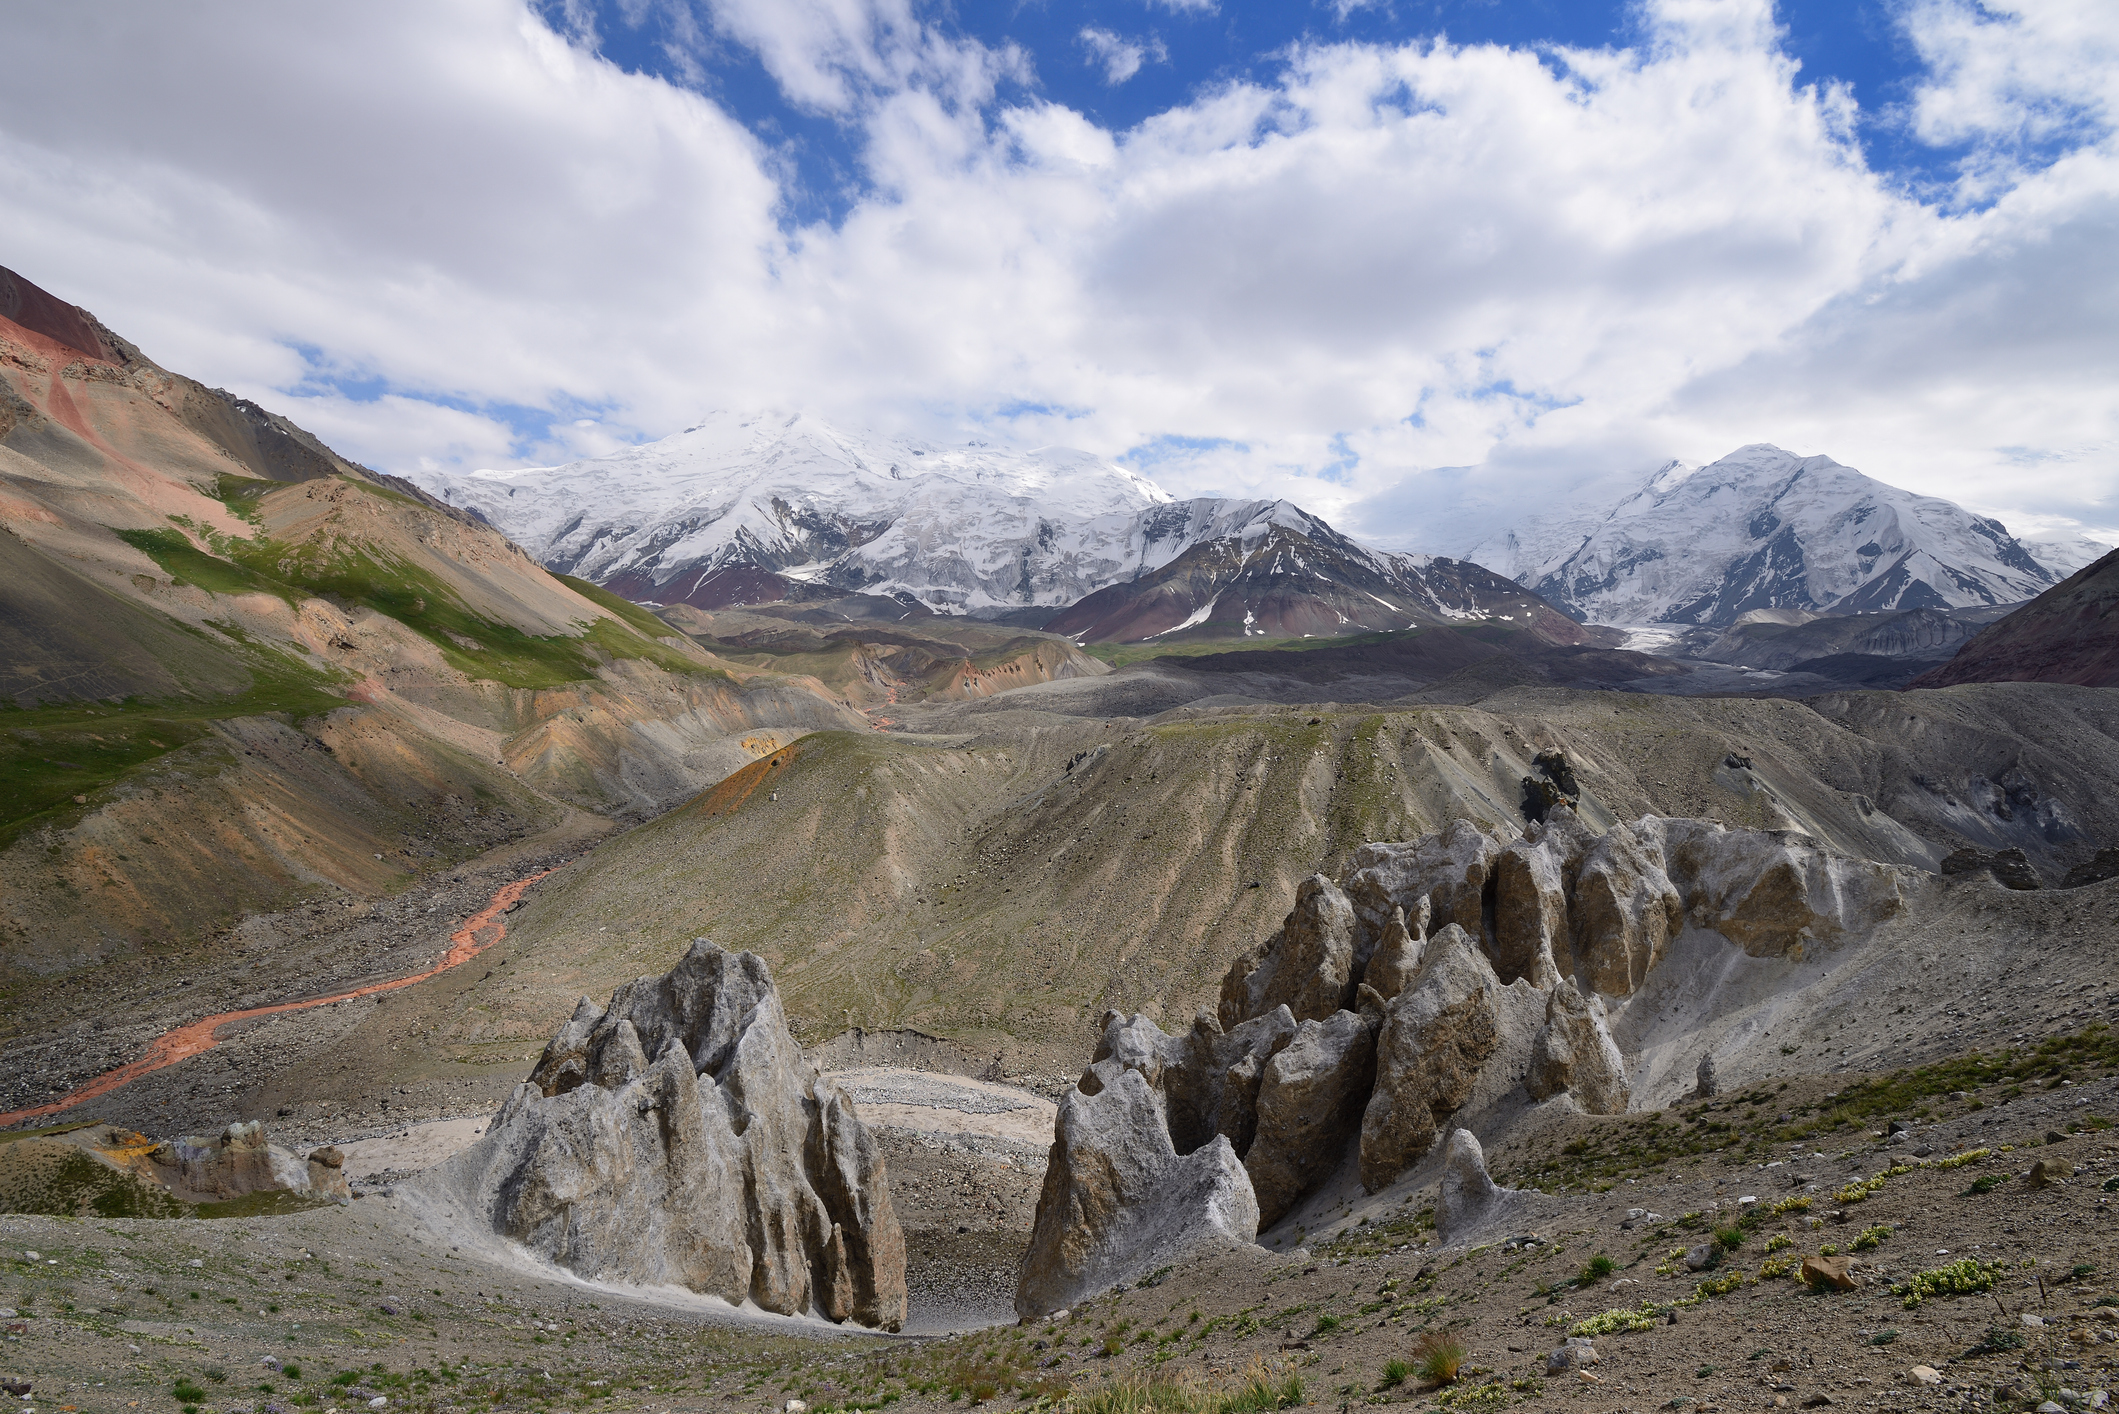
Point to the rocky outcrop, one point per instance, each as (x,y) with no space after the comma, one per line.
(327,1173)
(1308,966)
(2010,868)
(1119,1200)
(1309,1105)
(678,1136)
(1626,911)
(1772,892)
(1354,1034)
(1574,1053)
(1435,1037)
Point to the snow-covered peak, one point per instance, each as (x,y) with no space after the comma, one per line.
(1766,528)
(965,527)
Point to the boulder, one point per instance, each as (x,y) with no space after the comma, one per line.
(678,1136)
(1119,1201)
(1626,911)
(1574,1052)
(1578,1354)
(327,1173)
(1308,966)
(2102,865)
(230,1164)
(1771,892)
(2010,868)
(1309,1105)
(1833,1272)
(1435,1036)
(1707,1086)
(1469,1198)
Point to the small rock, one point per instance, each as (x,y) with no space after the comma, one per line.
(387,1309)
(19,1388)
(796,1406)
(2108,1314)
(1702,1258)
(1575,1355)
(379,1401)
(2047,1172)
(1924,1375)
(2033,1322)
(1819,1401)
(7,1313)
(2054,1136)
(2100,1398)
(1898,1126)
(1060,1315)
(1828,1271)
(2052,1407)
(270,1362)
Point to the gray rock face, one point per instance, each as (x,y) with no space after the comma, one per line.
(1212,1080)
(1531,887)
(1309,1105)
(1574,1052)
(1771,892)
(678,1136)
(1626,911)
(1119,1201)
(1435,1037)
(1708,1086)
(2011,868)
(232,1163)
(1396,956)
(1448,869)
(1308,966)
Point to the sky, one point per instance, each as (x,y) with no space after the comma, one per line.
(1425,267)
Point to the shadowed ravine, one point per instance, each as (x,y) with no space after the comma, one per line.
(197,1037)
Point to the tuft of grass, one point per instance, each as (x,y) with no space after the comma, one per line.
(1730,1238)
(1396,1372)
(1985,1183)
(1438,1357)
(1597,1268)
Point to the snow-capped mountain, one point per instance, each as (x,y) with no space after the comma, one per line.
(750,508)
(757,509)
(1269,569)
(1766,529)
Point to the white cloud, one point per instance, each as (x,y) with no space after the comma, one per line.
(1537,269)
(1121,58)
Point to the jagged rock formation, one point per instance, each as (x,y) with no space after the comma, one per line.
(1352,1035)
(1574,1053)
(1120,1199)
(679,1136)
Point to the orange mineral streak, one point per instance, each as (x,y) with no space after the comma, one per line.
(201,1036)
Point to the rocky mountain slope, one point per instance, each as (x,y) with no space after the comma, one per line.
(245,670)
(1269,570)
(2067,634)
(1766,529)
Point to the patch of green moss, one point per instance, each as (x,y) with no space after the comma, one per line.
(273,1203)
(77,1185)
(186,564)
(241,493)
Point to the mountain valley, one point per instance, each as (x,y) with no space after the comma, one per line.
(1011,793)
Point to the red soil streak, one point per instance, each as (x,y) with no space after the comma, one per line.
(199,1037)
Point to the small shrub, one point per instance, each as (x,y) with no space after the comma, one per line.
(185,1392)
(1489,1396)
(1326,1325)
(1723,1284)
(1438,1356)
(1396,1372)
(1962,1277)
(1884,1338)
(2082,1271)
(1597,1268)
(1622,1319)
(216,1373)
(1730,1238)
(1985,1183)
(1779,1240)
(1871,1238)
(1997,1340)
(291,1371)
(1774,1267)
(1958,1161)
